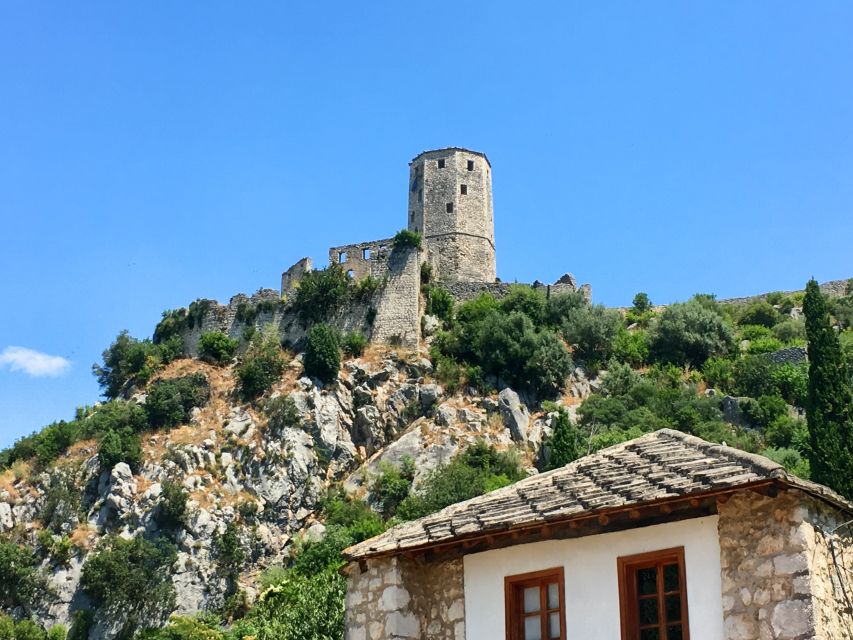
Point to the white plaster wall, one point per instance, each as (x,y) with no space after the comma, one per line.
(592,584)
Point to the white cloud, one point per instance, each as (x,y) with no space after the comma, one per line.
(33,363)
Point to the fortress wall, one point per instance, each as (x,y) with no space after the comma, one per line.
(398,302)
(360,259)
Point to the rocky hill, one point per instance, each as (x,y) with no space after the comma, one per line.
(234,475)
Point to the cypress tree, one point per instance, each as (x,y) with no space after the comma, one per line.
(565,442)
(829,409)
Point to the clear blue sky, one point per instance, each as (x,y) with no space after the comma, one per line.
(156,152)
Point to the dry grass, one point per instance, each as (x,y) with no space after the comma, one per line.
(7,484)
(83,537)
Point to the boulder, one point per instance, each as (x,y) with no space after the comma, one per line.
(6,520)
(514,414)
(429,395)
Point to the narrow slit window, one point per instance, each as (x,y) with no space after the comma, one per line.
(441,164)
(365,253)
(470,165)
(421,195)
(342,256)
(463,189)
(449,207)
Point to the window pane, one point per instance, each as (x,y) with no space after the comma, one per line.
(531,599)
(533,628)
(647,581)
(554,625)
(673,608)
(650,634)
(673,632)
(670,577)
(649,611)
(553,596)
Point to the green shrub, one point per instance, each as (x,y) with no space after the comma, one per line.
(439,303)
(791,459)
(565,442)
(216,347)
(21,584)
(354,344)
(405,238)
(762,411)
(754,332)
(791,331)
(282,413)
(764,345)
(229,553)
(81,622)
(791,382)
(476,470)
(126,360)
(759,312)
(527,300)
(171,349)
(558,307)
(641,303)
(787,432)
(321,292)
(719,373)
(548,365)
(631,347)
(170,402)
(120,445)
(690,333)
(366,288)
(591,331)
(314,557)
(174,322)
(61,506)
(172,510)
(323,353)
(129,581)
(340,509)
(391,486)
(753,376)
(261,365)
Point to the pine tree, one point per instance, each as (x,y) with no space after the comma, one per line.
(829,409)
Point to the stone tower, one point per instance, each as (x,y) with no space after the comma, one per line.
(450,204)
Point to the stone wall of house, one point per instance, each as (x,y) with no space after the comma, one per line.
(777,572)
(396,598)
(832,573)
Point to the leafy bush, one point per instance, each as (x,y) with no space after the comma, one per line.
(527,300)
(548,366)
(478,469)
(126,360)
(791,459)
(340,509)
(558,307)
(354,344)
(791,381)
(690,333)
(321,292)
(392,485)
(564,445)
(216,347)
(754,332)
(762,411)
(753,376)
(719,373)
(120,445)
(229,553)
(323,353)
(170,402)
(282,413)
(262,364)
(366,287)
(790,331)
(129,581)
(61,506)
(405,238)
(764,345)
(172,509)
(439,303)
(21,584)
(631,347)
(759,312)
(641,303)
(173,322)
(591,331)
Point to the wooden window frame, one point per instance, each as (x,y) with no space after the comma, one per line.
(628,611)
(517,583)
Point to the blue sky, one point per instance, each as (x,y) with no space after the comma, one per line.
(152,153)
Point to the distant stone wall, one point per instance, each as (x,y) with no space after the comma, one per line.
(462,291)
(777,573)
(395,598)
(398,318)
(362,259)
(291,277)
(833,289)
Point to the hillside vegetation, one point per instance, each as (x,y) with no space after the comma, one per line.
(211,497)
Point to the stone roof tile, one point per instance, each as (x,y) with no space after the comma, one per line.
(660,465)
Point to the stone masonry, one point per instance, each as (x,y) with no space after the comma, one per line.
(779,578)
(396,598)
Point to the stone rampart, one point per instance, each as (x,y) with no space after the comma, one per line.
(363,259)
(462,291)
(290,278)
(398,301)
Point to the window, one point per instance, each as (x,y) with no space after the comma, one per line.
(342,257)
(449,207)
(653,596)
(441,164)
(536,606)
(365,253)
(463,189)
(470,165)
(350,273)
(421,195)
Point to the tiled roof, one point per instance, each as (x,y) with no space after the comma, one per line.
(663,465)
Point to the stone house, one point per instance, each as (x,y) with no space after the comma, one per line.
(665,537)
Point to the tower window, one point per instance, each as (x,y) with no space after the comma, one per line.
(421,195)
(342,256)
(411,216)
(365,253)
(449,207)
(350,273)
(441,164)
(470,165)
(463,189)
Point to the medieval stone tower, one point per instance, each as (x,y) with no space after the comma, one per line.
(450,205)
